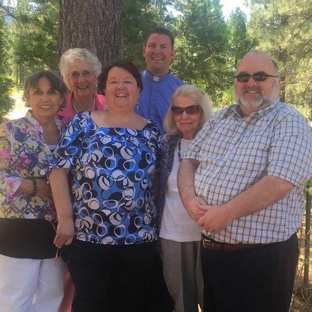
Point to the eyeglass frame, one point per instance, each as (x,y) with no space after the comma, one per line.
(264,76)
(175,109)
(85,74)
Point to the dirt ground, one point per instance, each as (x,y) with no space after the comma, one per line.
(302,300)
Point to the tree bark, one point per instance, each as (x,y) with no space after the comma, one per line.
(92,24)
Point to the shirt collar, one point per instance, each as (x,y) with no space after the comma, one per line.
(264,111)
(68,110)
(157,79)
(36,124)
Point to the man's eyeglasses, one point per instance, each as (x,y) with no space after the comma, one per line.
(85,74)
(190,110)
(258,76)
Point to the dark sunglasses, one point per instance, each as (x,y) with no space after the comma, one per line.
(190,110)
(259,76)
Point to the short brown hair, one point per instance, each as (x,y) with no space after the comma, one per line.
(126,65)
(54,78)
(161,31)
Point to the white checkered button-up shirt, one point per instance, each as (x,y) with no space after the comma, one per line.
(236,151)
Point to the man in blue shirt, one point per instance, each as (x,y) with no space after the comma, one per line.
(158,83)
(154,101)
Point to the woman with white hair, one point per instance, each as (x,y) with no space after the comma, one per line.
(179,234)
(80,69)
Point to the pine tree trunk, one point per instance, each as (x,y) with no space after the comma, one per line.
(91,24)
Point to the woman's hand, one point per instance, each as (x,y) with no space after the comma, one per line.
(65,233)
(43,188)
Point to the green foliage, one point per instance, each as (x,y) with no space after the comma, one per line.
(202,39)
(283,28)
(139,18)
(208,47)
(34,37)
(240,41)
(5,83)
(239,44)
(34,33)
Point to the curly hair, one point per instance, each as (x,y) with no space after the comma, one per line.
(81,54)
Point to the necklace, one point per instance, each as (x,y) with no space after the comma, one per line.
(77,109)
(179,150)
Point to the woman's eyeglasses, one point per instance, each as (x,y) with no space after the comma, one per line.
(85,74)
(258,76)
(190,110)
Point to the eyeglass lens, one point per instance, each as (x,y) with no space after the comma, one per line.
(259,76)
(84,73)
(190,110)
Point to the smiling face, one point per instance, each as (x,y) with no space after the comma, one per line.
(81,79)
(121,89)
(255,95)
(43,100)
(158,54)
(188,124)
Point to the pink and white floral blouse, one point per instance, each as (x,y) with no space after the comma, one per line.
(23,154)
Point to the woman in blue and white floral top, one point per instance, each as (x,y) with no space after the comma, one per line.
(29,277)
(109,226)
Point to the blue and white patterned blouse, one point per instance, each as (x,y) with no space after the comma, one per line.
(113,172)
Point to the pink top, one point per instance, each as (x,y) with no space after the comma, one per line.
(68,112)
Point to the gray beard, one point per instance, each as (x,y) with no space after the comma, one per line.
(261,101)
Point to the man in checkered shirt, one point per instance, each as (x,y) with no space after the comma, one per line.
(243,182)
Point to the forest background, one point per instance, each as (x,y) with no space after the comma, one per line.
(33,34)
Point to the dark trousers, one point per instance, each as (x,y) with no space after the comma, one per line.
(259,279)
(111,278)
(158,298)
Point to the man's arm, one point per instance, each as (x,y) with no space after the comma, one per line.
(186,184)
(261,195)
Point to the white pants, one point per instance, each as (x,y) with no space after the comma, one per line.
(28,285)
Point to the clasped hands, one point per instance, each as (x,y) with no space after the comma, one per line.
(213,219)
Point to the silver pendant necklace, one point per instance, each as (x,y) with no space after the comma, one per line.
(77,109)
